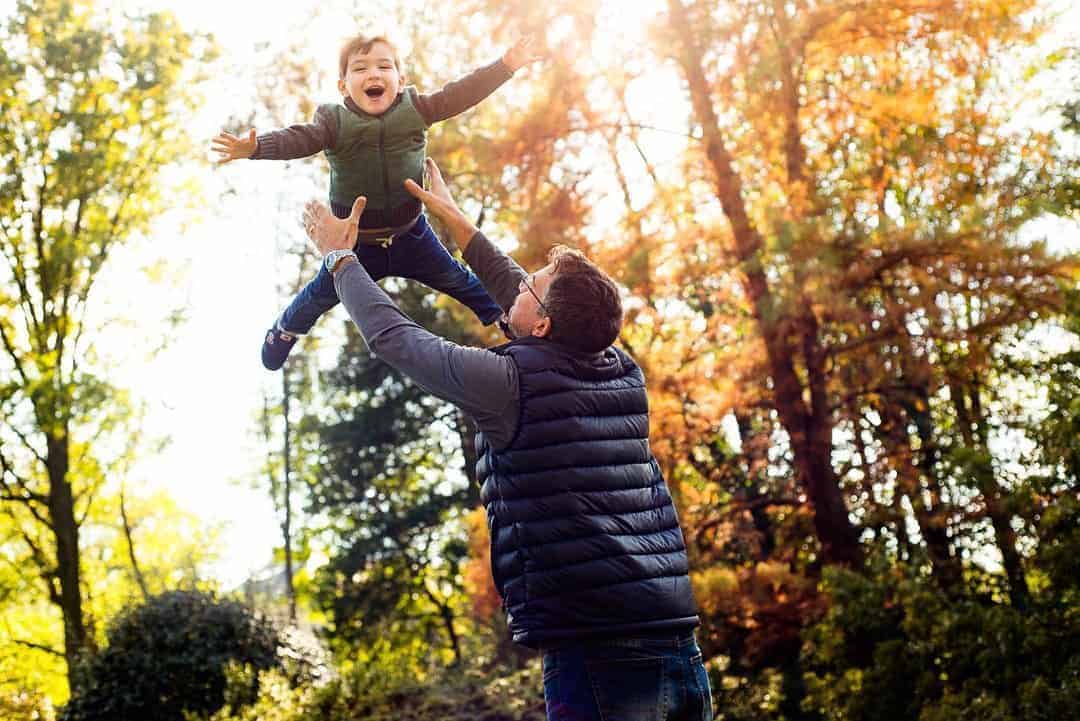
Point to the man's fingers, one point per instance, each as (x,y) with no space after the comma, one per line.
(413,187)
(433,170)
(357,209)
(436,184)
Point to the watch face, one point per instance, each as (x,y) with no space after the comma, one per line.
(335,256)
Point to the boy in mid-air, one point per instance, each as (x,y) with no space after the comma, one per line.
(375,139)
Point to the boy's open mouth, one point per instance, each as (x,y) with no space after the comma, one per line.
(374,92)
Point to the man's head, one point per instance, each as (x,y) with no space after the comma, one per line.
(369,72)
(569,301)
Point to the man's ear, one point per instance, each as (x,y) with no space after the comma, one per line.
(542,327)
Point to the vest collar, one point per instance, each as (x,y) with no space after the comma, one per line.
(603,365)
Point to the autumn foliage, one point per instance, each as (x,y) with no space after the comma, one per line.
(843,230)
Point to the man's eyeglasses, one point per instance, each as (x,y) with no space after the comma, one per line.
(528,287)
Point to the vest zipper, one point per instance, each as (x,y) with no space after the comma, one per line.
(382,158)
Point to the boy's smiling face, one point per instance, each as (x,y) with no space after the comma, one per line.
(372,79)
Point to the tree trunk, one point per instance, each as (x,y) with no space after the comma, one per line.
(286,525)
(932,514)
(447,617)
(809,428)
(66,532)
(965,397)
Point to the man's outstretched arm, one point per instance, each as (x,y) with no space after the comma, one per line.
(497,271)
(481,383)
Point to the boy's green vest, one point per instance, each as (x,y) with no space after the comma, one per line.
(375,154)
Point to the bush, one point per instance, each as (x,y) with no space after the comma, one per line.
(390,685)
(169,656)
(894,647)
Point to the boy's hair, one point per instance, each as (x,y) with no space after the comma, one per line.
(363,44)
(582,302)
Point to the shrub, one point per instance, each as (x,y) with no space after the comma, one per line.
(168,657)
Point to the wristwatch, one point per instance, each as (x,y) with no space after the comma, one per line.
(335,256)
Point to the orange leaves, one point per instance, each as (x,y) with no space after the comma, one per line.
(486,604)
(759,610)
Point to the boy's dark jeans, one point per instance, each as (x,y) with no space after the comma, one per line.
(627,679)
(416,254)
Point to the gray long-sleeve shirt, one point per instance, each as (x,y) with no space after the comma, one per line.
(482,383)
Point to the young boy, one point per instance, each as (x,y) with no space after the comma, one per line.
(374,140)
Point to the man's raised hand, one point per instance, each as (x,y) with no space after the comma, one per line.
(440,204)
(234,147)
(328,232)
(438,200)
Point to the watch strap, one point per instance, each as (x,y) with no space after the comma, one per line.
(334,257)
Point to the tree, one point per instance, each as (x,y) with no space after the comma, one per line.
(88,119)
(173,550)
(393,493)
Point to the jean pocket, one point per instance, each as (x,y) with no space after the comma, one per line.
(628,689)
(551,665)
(701,678)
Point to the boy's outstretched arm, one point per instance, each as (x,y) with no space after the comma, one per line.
(295,141)
(460,95)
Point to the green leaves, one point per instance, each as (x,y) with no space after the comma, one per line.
(92,107)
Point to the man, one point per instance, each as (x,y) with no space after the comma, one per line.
(586,549)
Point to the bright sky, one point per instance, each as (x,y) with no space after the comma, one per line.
(223,254)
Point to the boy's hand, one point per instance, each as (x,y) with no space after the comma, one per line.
(521,54)
(233,147)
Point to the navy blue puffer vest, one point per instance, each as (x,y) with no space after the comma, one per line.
(585,541)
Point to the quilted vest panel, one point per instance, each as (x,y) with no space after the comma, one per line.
(585,540)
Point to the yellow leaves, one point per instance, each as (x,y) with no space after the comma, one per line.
(480,588)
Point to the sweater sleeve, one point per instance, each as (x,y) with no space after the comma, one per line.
(460,95)
(481,383)
(301,140)
(497,271)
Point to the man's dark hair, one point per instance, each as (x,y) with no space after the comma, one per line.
(364,44)
(582,302)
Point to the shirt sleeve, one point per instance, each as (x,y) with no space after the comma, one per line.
(301,140)
(496,270)
(482,383)
(460,95)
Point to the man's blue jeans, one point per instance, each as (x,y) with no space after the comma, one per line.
(416,254)
(627,679)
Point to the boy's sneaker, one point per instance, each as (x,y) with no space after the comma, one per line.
(276,347)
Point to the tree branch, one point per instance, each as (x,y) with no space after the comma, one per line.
(131,545)
(38,647)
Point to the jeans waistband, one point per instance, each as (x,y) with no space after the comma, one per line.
(378,236)
(673,640)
